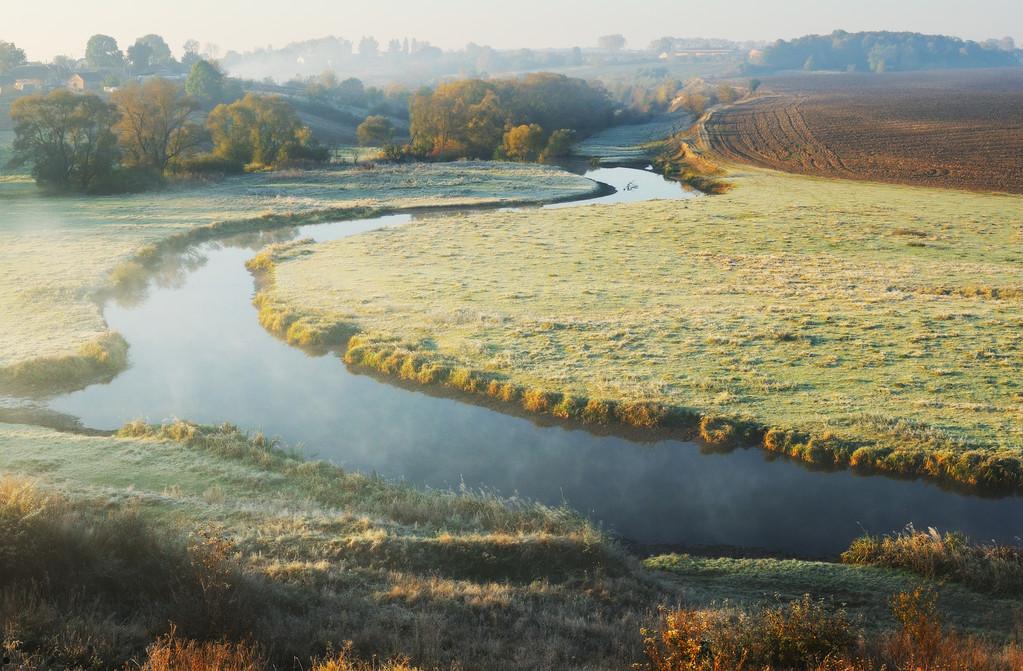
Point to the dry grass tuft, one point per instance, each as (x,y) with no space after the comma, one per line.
(995,569)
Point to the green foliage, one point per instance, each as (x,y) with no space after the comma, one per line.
(559,145)
(10,56)
(205,84)
(140,56)
(102,52)
(375,131)
(261,130)
(68,140)
(159,52)
(880,52)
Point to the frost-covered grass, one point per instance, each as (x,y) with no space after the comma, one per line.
(56,252)
(109,539)
(327,555)
(633,142)
(873,326)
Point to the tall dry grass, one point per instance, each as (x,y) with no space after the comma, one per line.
(995,569)
(807,635)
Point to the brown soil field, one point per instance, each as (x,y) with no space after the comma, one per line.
(945,129)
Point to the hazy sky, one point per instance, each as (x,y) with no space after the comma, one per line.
(48,27)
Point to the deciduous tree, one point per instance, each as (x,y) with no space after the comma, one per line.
(523,143)
(156,126)
(205,83)
(10,56)
(67,139)
(375,131)
(102,52)
(263,130)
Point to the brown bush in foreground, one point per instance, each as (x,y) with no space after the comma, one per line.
(807,636)
(171,653)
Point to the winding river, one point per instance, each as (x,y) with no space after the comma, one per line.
(198,352)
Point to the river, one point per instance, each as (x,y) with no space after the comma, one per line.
(199,352)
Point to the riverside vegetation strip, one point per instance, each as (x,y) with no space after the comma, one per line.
(840,323)
(299,554)
(58,253)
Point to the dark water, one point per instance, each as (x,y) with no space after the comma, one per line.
(198,352)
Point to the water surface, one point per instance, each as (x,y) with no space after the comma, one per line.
(198,352)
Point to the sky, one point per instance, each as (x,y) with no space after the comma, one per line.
(45,28)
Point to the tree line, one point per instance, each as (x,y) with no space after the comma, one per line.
(147,131)
(525,119)
(883,51)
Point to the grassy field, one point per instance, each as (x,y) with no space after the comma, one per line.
(632,142)
(301,556)
(55,253)
(841,323)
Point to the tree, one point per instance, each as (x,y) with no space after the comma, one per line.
(368,47)
(523,143)
(205,84)
(262,130)
(190,55)
(611,42)
(10,56)
(375,131)
(559,145)
(102,52)
(64,66)
(160,53)
(140,56)
(66,138)
(155,127)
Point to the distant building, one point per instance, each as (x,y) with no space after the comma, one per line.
(29,85)
(80,82)
(30,78)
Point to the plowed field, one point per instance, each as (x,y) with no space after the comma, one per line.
(956,130)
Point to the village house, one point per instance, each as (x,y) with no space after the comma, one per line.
(81,82)
(30,78)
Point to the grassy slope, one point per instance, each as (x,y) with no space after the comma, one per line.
(442,577)
(632,142)
(866,315)
(55,252)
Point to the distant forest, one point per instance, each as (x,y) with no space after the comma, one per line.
(883,52)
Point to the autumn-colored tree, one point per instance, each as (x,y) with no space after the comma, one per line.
(375,131)
(156,126)
(262,130)
(523,143)
(67,139)
(469,117)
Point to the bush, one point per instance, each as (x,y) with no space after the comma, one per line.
(798,635)
(209,164)
(996,569)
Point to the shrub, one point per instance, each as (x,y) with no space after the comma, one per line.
(209,164)
(997,569)
(799,635)
(719,431)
